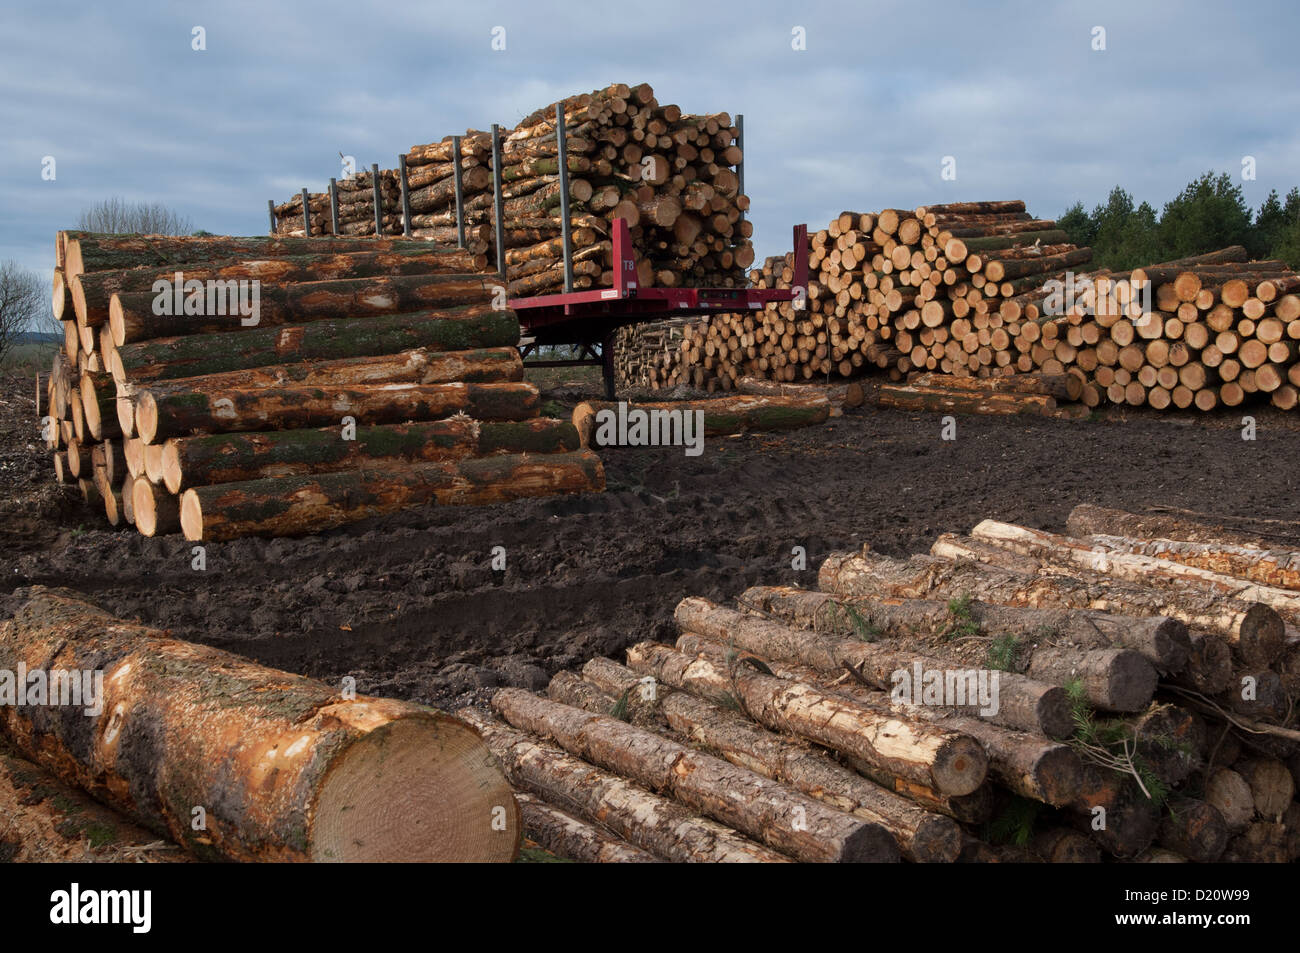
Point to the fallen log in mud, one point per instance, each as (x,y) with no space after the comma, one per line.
(655,424)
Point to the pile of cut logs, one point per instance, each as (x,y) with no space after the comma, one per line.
(1139,679)
(672,176)
(969,290)
(1214,330)
(374,375)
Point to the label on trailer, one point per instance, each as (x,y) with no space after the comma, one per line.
(611,293)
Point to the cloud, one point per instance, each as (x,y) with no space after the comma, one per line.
(861,119)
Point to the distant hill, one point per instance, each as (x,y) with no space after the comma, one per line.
(36,337)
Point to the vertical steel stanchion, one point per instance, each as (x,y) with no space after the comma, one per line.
(562,154)
(460,192)
(334,206)
(306,214)
(740,166)
(379,199)
(270,208)
(498,203)
(406,197)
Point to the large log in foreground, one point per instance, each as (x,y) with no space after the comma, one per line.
(278,767)
(294,505)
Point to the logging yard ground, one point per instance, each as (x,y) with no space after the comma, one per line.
(408,604)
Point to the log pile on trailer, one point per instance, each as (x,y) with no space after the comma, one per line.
(373,375)
(1143,710)
(671,175)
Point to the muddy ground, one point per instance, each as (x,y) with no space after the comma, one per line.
(409,605)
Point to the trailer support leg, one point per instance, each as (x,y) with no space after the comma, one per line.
(607,364)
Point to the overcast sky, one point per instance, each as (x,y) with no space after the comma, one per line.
(861,119)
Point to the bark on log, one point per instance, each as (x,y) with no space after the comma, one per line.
(165,412)
(460,329)
(1022,702)
(296,505)
(89,252)
(135,317)
(283,767)
(48,821)
(206,460)
(566,836)
(1161,640)
(1276,569)
(949,762)
(1022,762)
(1087,519)
(1259,645)
(1253,625)
(725,415)
(653,823)
(91,292)
(935,399)
(737,797)
(923,837)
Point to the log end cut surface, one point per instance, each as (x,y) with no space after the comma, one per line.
(416,790)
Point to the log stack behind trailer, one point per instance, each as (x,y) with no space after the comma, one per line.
(985,290)
(372,375)
(672,176)
(1143,717)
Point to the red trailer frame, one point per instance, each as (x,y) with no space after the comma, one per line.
(586,318)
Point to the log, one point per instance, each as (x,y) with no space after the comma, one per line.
(566,836)
(1063,387)
(937,399)
(1020,703)
(954,572)
(1022,762)
(841,395)
(950,763)
(1230,794)
(283,767)
(457,329)
(92,291)
(922,837)
(1087,519)
(1195,830)
(230,458)
(1260,644)
(737,797)
(48,821)
(653,823)
(1271,785)
(1161,640)
(155,511)
(1277,569)
(166,412)
(296,505)
(87,252)
(135,317)
(725,415)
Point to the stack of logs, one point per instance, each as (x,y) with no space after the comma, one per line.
(672,176)
(1147,672)
(1213,330)
(964,290)
(356,197)
(377,374)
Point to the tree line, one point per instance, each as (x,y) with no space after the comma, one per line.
(1210,213)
